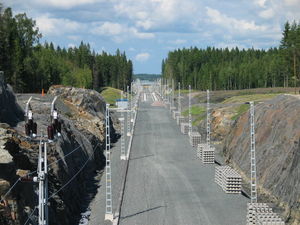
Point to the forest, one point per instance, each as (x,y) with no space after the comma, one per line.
(30,66)
(229,69)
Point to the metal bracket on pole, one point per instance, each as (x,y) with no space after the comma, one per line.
(207,120)
(108,208)
(252,152)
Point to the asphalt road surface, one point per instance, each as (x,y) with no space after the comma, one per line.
(167,184)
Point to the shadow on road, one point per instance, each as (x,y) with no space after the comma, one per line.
(140,157)
(147,210)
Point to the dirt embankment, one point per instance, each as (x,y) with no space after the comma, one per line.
(80,146)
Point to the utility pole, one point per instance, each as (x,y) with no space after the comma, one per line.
(208,121)
(179,99)
(252,152)
(122,120)
(108,208)
(128,113)
(173,93)
(131,104)
(42,179)
(190,113)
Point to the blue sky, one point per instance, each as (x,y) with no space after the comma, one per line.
(148,29)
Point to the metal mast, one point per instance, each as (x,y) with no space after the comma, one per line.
(128,112)
(42,179)
(173,87)
(179,100)
(108,209)
(252,152)
(122,120)
(190,113)
(207,120)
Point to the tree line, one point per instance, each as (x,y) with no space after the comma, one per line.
(30,66)
(228,69)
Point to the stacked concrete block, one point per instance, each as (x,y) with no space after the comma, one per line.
(200,150)
(229,179)
(208,155)
(184,127)
(262,214)
(175,114)
(195,138)
(172,108)
(269,219)
(182,119)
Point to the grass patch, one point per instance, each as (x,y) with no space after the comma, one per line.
(198,112)
(184,91)
(110,95)
(195,111)
(248,98)
(240,110)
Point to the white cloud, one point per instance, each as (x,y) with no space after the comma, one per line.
(119,32)
(260,3)
(267,14)
(231,23)
(56,26)
(152,14)
(71,45)
(142,57)
(65,4)
(178,41)
(292,2)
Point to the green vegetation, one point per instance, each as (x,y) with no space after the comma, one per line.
(30,66)
(197,112)
(240,110)
(233,69)
(110,95)
(251,97)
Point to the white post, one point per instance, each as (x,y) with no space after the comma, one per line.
(190,113)
(207,121)
(108,208)
(128,113)
(46,185)
(122,120)
(252,152)
(179,99)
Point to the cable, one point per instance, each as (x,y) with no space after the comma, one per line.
(9,190)
(29,217)
(69,181)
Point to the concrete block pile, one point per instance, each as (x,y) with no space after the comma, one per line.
(181,119)
(229,179)
(175,114)
(262,214)
(208,155)
(195,138)
(184,127)
(200,150)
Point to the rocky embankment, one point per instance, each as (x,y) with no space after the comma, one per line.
(277,152)
(277,149)
(78,151)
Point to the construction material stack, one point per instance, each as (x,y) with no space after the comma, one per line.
(181,119)
(184,127)
(208,154)
(229,179)
(172,108)
(262,214)
(175,114)
(195,138)
(200,150)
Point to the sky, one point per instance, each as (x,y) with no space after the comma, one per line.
(148,29)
